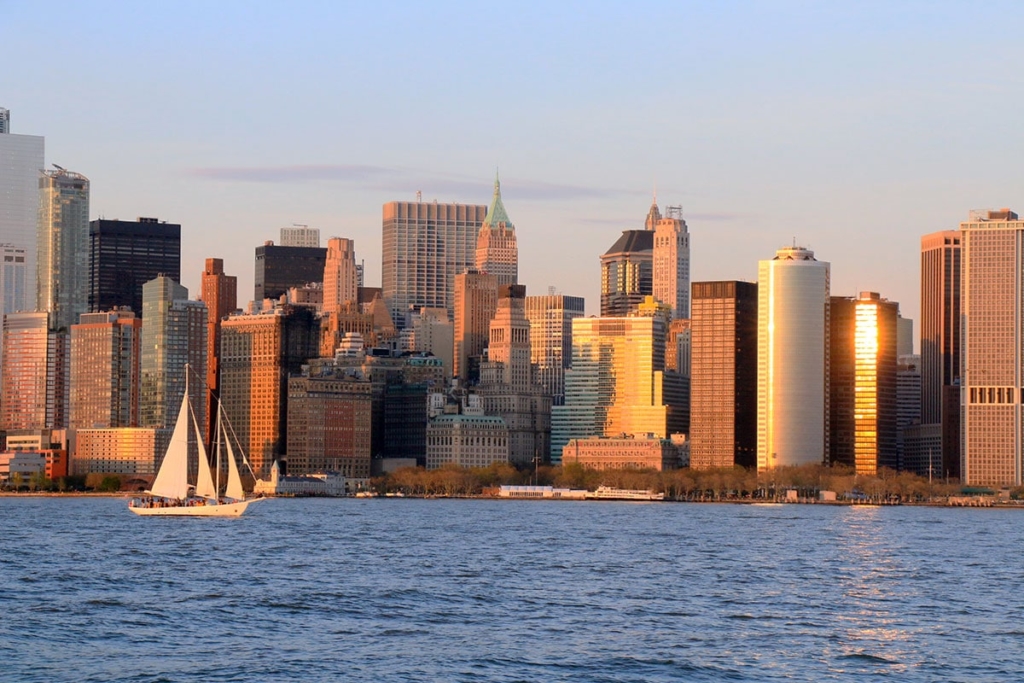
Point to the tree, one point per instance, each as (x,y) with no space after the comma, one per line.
(110,483)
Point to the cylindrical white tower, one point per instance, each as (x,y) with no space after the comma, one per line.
(792,363)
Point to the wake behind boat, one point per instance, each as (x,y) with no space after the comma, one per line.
(172,495)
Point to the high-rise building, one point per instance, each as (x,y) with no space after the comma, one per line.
(279,268)
(908,416)
(425,246)
(551,317)
(862,383)
(173,337)
(329,424)
(300,236)
(21,163)
(507,385)
(627,273)
(671,261)
(220,294)
(723,374)
(14,277)
(496,249)
(105,370)
(476,299)
(616,384)
(258,353)
(432,332)
(341,282)
(792,363)
(992,363)
(62,271)
(941,343)
(34,392)
(124,255)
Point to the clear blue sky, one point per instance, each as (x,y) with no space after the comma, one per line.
(852,127)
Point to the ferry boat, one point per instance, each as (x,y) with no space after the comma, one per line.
(612,493)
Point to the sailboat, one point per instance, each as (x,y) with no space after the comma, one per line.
(170,493)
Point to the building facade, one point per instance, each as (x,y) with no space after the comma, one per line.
(862,383)
(792,366)
(34,385)
(425,246)
(551,317)
(992,360)
(341,282)
(62,247)
(14,279)
(173,339)
(723,375)
(627,273)
(220,294)
(22,165)
(329,424)
(300,236)
(670,282)
(124,255)
(258,353)
(476,300)
(941,342)
(473,440)
(639,452)
(279,268)
(126,450)
(497,252)
(105,370)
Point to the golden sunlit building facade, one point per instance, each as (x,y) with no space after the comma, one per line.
(862,383)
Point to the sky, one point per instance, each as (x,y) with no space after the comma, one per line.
(848,128)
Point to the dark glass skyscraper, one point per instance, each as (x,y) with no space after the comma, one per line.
(280,268)
(124,255)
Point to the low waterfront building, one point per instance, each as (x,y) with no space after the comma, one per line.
(124,450)
(622,452)
(313,484)
(19,464)
(470,439)
(541,492)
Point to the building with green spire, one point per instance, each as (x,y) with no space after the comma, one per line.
(496,250)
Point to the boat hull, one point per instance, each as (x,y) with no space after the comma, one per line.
(223,510)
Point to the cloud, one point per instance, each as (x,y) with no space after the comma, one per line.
(289,174)
(393,179)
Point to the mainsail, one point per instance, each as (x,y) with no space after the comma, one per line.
(204,479)
(172,478)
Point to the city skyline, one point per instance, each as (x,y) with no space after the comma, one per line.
(846,128)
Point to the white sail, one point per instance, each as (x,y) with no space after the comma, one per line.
(172,479)
(234,489)
(204,480)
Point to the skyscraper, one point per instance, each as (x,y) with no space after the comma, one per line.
(616,384)
(21,162)
(300,236)
(62,272)
(507,385)
(124,255)
(941,343)
(425,246)
(551,317)
(220,294)
(341,282)
(173,335)
(627,273)
(496,249)
(671,261)
(258,353)
(278,268)
(476,299)
(862,382)
(34,392)
(993,359)
(792,364)
(105,370)
(723,375)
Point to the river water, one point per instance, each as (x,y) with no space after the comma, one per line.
(487,590)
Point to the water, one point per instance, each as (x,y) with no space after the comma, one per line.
(476,590)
